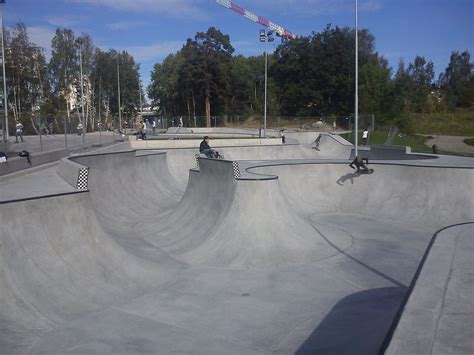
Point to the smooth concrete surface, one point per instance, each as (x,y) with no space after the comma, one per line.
(69,171)
(159,259)
(58,141)
(194,143)
(17,163)
(34,184)
(439,315)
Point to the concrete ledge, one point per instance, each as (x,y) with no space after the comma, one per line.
(74,173)
(17,163)
(438,317)
(389,152)
(194,143)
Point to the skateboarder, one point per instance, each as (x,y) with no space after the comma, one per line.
(317,141)
(358,163)
(205,149)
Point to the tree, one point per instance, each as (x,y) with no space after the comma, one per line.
(213,58)
(315,74)
(63,66)
(26,65)
(457,81)
(422,74)
(375,87)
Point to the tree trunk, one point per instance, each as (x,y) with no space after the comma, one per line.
(194,109)
(208,109)
(34,125)
(189,110)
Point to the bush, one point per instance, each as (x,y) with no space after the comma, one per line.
(469,141)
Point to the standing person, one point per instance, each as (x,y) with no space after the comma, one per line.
(51,127)
(140,129)
(180,122)
(334,126)
(205,149)
(154,127)
(18,131)
(80,129)
(358,162)
(282,135)
(365,136)
(144,130)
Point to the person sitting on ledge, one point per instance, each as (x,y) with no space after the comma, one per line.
(205,149)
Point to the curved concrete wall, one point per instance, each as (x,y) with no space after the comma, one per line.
(440,196)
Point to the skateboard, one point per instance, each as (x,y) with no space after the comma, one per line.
(370,171)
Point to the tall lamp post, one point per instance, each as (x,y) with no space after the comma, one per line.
(83,121)
(119,104)
(5,132)
(356,133)
(265,36)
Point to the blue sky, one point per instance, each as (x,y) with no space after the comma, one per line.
(152,29)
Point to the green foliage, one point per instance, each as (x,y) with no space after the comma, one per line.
(26,69)
(310,76)
(458,122)
(469,141)
(197,78)
(457,81)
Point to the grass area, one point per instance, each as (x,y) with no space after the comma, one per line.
(376,137)
(469,141)
(416,142)
(457,123)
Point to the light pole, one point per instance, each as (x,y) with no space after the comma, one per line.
(265,36)
(119,104)
(356,133)
(82,95)
(141,103)
(5,132)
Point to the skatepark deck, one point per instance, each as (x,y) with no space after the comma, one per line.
(295,256)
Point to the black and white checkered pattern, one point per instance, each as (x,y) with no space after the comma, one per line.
(83,179)
(197,161)
(235,167)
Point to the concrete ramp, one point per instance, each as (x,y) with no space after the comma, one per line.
(248,224)
(58,264)
(312,259)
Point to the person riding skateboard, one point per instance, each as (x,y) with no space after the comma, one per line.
(358,163)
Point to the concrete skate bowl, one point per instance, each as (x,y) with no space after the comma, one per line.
(295,263)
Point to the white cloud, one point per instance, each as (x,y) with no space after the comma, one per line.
(122,25)
(174,8)
(63,21)
(156,51)
(310,7)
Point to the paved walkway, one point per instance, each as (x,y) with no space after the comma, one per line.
(34,144)
(451,144)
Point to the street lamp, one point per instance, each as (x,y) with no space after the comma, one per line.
(356,135)
(265,36)
(5,94)
(79,41)
(119,104)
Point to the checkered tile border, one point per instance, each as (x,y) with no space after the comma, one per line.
(197,161)
(83,179)
(235,167)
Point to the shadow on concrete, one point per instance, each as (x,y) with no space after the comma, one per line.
(357,324)
(349,176)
